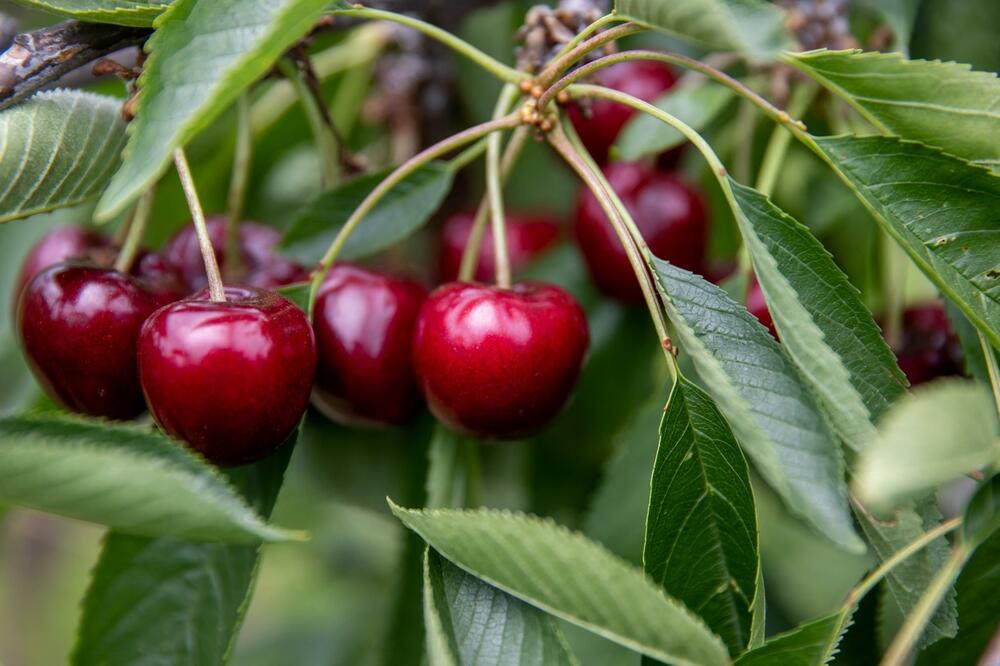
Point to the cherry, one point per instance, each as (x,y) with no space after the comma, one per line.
(264,268)
(599,128)
(928,348)
(498,363)
(528,236)
(79,325)
(364,323)
(60,244)
(758,307)
(232,379)
(670,215)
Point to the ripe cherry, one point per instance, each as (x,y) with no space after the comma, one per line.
(528,236)
(60,244)
(232,379)
(364,323)
(263,267)
(928,348)
(670,215)
(498,363)
(599,127)
(79,325)
(758,307)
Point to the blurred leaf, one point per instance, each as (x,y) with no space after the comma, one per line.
(972,349)
(754,28)
(811,644)
(942,104)
(701,530)
(982,515)
(120,12)
(567,575)
(474,624)
(401,212)
(170,601)
(900,15)
(824,326)
(961,31)
(57,149)
(941,210)
(447,480)
(696,105)
(762,397)
(297,293)
(940,432)
(127,477)
(200,60)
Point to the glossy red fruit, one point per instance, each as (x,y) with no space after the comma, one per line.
(599,128)
(758,307)
(79,325)
(670,215)
(263,267)
(231,379)
(528,236)
(364,323)
(498,363)
(159,276)
(60,244)
(928,348)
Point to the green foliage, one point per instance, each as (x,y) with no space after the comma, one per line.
(982,515)
(696,105)
(57,149)
(140,13)
(811,644)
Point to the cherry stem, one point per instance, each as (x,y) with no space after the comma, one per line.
(588,31)
(494,190)
(561,63)
(136,231)
(215,287)
(991,367)
(242,160)
(322,130)
(777,145)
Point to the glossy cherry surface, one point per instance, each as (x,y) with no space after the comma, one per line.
(364,323)
(498,363)
(600,127)
(928,348)
(757,306)
(79,325)
(60,244)
(231,379)
(262,265)
(669,213)
(528,236)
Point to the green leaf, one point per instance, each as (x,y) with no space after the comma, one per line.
(936,434)
(129,478)
(769,409)
(297,293)
(138,13)
(701,530)
(401,212)
(811,644)
(982,515)
(754,28)
(565,574)
(900,15)
(57,149)
(941,104)
(825,328)
(474,624)
(941,210)
(961,31)
(696,105)
(202,56)
(170,601)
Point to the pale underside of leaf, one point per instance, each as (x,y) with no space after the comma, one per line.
(138,13)
(696,105)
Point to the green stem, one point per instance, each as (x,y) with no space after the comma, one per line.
(560,64)
(468,156)
(494,190)
(136,230)
(326,142)
(402,171)
(588,31)
(473,473)
(215,287)
(237,187)
(777,145)
(490,64)
(991,368)
(746,128)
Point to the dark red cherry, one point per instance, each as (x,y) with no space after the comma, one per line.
(599,128)
(928,348)
(498,363)
(364,323)
(79,325)
(670,215)
(528,236)
(263,267)
(231,379)
(758,307)
(60,244)
(159,276)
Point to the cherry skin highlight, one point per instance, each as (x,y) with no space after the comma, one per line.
(498,363)
(79,325)
(928,348)
(231,379)
(528,236)
(669,213)
(364,323)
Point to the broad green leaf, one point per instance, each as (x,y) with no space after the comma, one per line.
(57,149)
(941,210)
(170,601)
(982,515)
(766,403)
(126,477)
(941,104)
(138,13)
(701,530)
(401,212)
(696,105)
(297,293)
(811,644)
(756,29)
(938,433)
(565,574)
(202,56)
(470,623)
(824,326)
